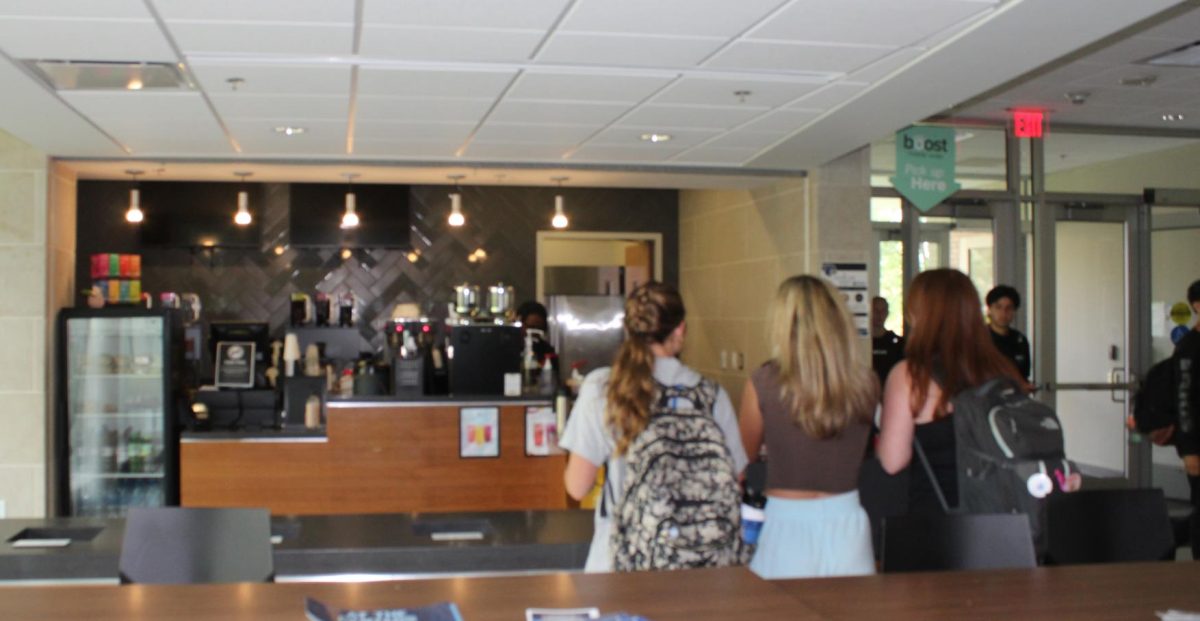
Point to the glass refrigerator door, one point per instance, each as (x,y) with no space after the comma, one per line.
(115,414)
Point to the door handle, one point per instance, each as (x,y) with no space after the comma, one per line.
(1117,376)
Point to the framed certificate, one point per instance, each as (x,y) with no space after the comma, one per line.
(479,432)
(541,431)
(235,364)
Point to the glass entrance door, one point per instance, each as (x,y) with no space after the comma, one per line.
(1092,285)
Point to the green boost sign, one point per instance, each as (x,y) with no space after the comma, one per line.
(925,165)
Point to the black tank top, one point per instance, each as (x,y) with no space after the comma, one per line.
(937,440)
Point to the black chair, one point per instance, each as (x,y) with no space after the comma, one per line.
(175,545)
(1108,526)
(957,541)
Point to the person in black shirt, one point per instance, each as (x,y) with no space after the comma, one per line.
(1002,304)
(533,316)
(887,347)
(1186,435)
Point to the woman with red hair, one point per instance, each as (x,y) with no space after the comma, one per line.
(947,350)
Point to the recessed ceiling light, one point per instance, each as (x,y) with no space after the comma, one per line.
(79,75)
(1141,80)
(656,137)
(1170,117)
(1077,97)
(962,134)
(1186,56)
(289,130)
(742,95)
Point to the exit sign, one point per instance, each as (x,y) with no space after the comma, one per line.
(1028,123)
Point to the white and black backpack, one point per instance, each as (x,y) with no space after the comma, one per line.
(681,503)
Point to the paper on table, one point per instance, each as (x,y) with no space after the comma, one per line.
(1178,615)
(41,543)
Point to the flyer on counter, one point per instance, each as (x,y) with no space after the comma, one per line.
(541,431)
(445,611)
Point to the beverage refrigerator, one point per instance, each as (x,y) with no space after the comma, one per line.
(116,431)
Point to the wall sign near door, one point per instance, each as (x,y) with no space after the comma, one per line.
(479,432)
(851,280)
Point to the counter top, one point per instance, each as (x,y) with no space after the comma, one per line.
(390,400)
(309,547)
(291,434)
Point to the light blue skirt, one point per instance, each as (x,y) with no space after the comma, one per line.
(817,537)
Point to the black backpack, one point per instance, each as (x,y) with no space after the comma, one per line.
(681,506)
(1009,451)
(1157,402)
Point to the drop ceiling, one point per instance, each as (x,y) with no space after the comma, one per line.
(746,89)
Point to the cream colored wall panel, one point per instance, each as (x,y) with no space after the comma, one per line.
(746,289)
(726,238)
(20,368)
(16,155)
(758,345)
(687,243)
(23,281)
(23,489)
(696,203)
(23,418)
(19,210)
(704,289)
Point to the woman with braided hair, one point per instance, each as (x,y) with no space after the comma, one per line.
(614,406)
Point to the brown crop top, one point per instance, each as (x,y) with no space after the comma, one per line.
(798,461)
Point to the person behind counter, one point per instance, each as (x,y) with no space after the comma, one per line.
(614,406)
(533,316)
(887,347)
(812,406)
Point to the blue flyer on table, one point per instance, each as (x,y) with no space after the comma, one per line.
(317,611)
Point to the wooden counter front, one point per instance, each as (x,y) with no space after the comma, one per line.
(386,458)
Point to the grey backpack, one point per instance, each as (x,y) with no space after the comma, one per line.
(681,503)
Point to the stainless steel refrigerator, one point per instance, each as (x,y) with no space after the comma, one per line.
(585,329)
(117,440)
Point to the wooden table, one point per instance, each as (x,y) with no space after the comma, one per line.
(684,596)
(1130,591)
(1115,591)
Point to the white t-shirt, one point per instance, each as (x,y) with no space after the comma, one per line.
(589,437)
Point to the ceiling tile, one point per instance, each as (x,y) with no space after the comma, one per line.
(406,149)
(154,121)
(721,91)
(385,131)
(1182,28)
(716,155)
(421,109)
(626,136)
(828,97)
(530,133)
(881,68)
(881,22)
(289,11)
(567,113)
(81,39)
(109,9)
(706,117)
(627,50)
(449,44)
(263,38)
(319,137)
(609,153)
(427,83)
(510,150)
(284,108)
(274,79)
(1133,49)
(586,86)
(780,121)
(464,13)
(747,140)
(800,57)
(719,18)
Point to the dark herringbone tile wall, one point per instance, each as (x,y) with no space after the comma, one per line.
(256,285)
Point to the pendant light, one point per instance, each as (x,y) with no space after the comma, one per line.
(350,218)
(243,217)
(134,214)
(456,215)
(559,221)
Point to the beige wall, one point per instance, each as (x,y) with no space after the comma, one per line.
(1172,168)
(736,246)
(23,324)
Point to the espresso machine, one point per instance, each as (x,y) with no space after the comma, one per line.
(420,364)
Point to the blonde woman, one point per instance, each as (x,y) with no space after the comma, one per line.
(812,406)
(615,405)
